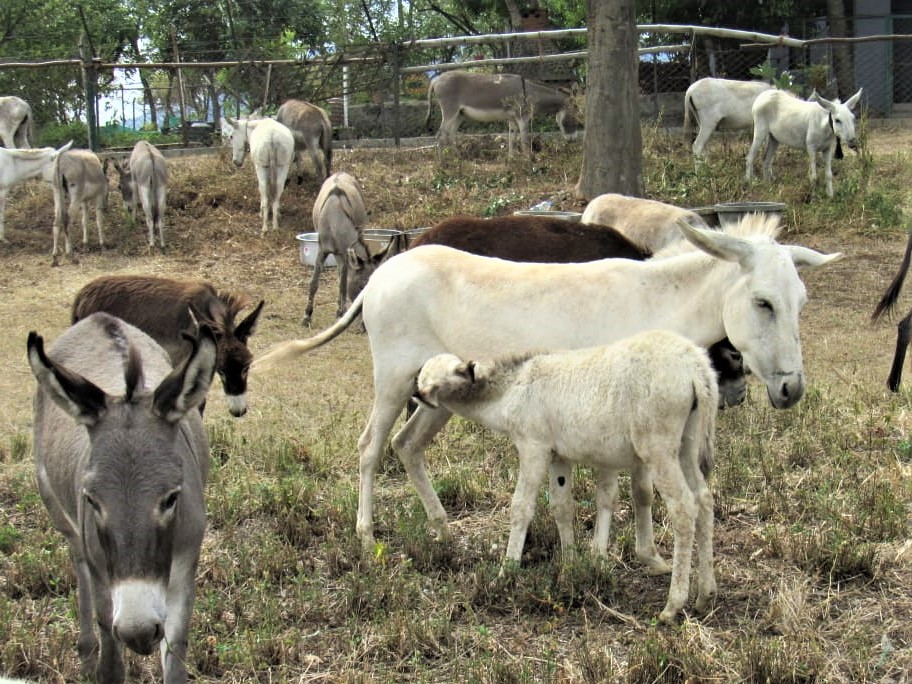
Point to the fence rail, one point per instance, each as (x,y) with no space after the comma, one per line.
(373,90)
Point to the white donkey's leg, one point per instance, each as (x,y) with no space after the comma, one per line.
(410,444)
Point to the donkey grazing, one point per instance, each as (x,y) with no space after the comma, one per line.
(77,177)
(546,239)
(339,216)
(815,125)
(167,309)
(650,224)
(312,131)
(719,103)
(434,299)
(272,147)
(646,404)
(144,181)
(15,122)
(121,469)
(496,97)
(17,166)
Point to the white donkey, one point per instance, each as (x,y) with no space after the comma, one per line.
(815,125)
(17,166)
(272,148)
(15,122)
(433,299)
(646,403)
(649,224)
(144,182)
(719,103)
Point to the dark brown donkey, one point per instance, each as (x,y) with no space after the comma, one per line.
(546,239)
(165,309)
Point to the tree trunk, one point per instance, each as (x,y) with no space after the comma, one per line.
(842,54)
(612,143)
(148,95)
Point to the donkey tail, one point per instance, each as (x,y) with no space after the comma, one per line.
(430,99)
(689,110)
(888,301)
(290,349)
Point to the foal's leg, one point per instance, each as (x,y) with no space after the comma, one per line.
(682,511)
(606,498)
(642,491)
(690,464)
(563,505)
(534,460)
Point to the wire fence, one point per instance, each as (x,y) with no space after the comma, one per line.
(380,90)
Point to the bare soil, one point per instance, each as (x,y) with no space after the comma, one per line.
(213,232)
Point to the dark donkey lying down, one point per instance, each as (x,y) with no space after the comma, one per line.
(161,307)
(122,459)
(545,239)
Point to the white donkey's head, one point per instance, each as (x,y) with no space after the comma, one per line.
(842,119)
(761,302)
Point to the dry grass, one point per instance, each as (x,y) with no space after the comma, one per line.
(812,538)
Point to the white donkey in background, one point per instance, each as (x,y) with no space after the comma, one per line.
(17,166)
(272,148)
(815,125)
(719,103)
(15,122)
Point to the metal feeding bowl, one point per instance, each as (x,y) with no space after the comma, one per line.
(574,216)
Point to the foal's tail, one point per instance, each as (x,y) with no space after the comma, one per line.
(290,349)
(888,301)
(706,393)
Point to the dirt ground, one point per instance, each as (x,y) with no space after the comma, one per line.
(212,232)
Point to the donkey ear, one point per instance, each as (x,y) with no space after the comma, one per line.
(852,101)
(805,257)
(78,397)
(186,387)
(716,243)
(247,327)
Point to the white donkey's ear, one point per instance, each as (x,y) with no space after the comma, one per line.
(853,101)
(805,257)
(716,243)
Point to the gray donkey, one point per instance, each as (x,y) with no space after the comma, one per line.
(122,459)
(339,216)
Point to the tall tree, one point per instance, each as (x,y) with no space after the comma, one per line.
(612,144)
(842,53)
